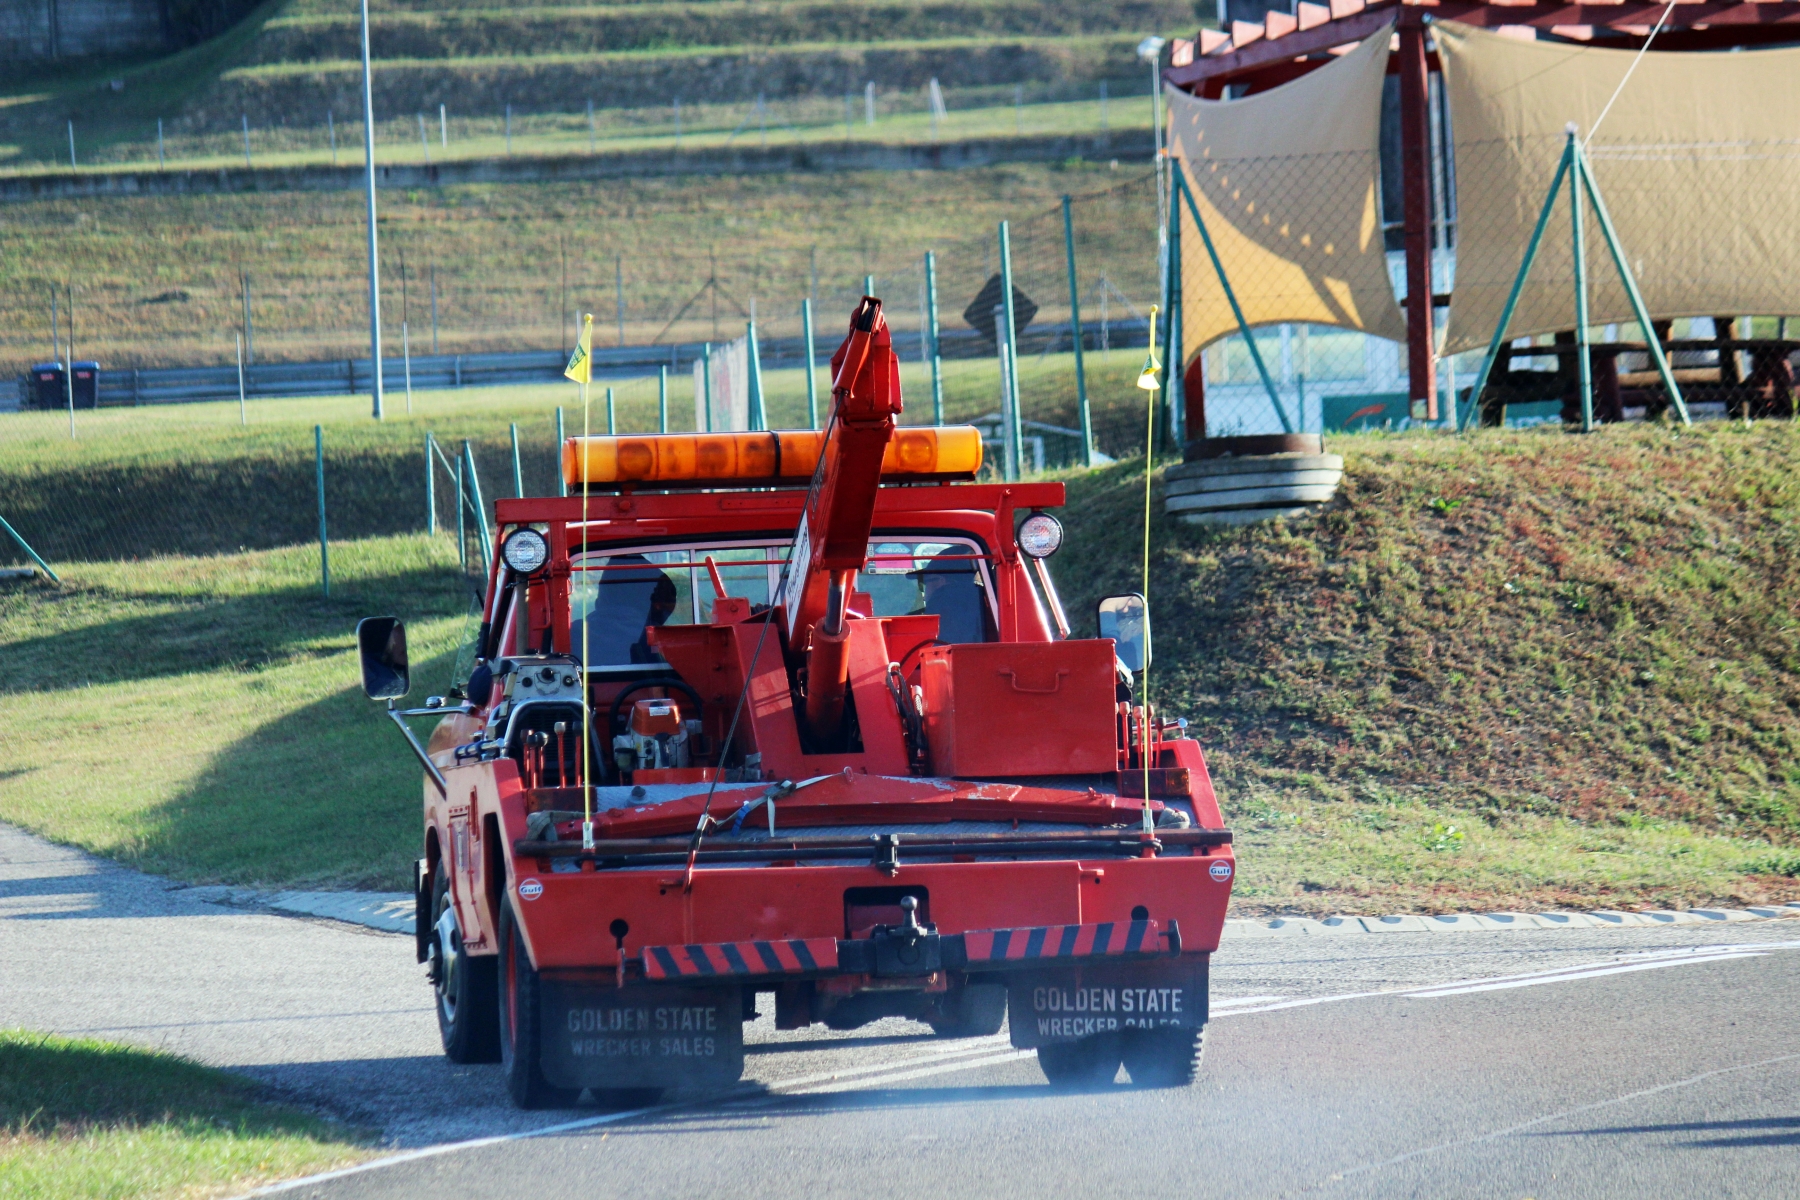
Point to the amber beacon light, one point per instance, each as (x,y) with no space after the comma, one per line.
(942,452)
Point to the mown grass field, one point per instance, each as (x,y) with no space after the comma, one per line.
(82,1119)
(1513,669)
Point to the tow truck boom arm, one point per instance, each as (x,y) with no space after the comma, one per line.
(833,539)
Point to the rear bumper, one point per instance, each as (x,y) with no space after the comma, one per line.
(892,955)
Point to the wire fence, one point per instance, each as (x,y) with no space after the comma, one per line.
(120,481)
(438,133)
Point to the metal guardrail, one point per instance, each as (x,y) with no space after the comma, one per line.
(351,376)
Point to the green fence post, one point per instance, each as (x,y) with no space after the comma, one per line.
(1178,183)
(611,416)
(1584,371)
(1512,299)
(1081,396)
(462,529)
(1016,423)
(931,331)
(868,285)
(812,382)
(706,383)
(430,489)
(758,419)
(481,522)
(518,473)
(319,474)
(26,546)
(1585,178)
(662,398)
(562,485)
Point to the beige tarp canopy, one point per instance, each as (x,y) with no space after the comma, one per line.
(1698,162)
(1286,182)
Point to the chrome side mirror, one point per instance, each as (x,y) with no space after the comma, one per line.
(1126,620)
(381,644)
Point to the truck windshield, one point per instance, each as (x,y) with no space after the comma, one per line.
(615,597)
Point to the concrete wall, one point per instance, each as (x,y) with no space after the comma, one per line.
(47,29)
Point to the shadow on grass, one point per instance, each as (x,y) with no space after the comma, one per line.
(211,634)
(49,1083)
(326,795)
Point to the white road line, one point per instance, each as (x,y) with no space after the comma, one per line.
(1567,1112)
(1240,1001)
(972,1046)
(897,1076)
(1565,978)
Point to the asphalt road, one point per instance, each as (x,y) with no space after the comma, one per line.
(1553,1063)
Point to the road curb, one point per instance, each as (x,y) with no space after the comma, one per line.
(389,912)
(1488,922)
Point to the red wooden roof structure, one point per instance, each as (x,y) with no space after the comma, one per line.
(1256,56)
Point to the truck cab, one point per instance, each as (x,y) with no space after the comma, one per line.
(800,714)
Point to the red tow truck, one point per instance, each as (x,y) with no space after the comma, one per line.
(801,713)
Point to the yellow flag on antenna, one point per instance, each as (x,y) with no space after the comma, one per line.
(580,365)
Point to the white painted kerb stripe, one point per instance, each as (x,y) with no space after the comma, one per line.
(1566,977)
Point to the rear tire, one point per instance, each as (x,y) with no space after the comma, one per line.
(520,1026)
(464,987)
(975,1010)
(1168,1057)
(1092,1062)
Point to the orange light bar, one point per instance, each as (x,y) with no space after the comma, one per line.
(937,451)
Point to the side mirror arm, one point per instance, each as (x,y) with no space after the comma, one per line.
(398,717)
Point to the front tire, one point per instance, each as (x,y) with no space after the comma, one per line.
(1168,1057)
(1092,1062)
(468,1021)
(520,1025)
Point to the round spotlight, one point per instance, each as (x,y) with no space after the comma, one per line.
(1040,535)
(525,551)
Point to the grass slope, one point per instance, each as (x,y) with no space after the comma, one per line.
(1514,668)
(82,1119)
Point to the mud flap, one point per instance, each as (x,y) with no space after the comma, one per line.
(1073,1002)
(641,1036)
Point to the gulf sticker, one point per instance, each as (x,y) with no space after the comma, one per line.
(1220,871)
(531,889)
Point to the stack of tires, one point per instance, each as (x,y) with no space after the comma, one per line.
(1240,489)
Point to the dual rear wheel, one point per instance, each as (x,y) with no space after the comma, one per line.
(1167,1057)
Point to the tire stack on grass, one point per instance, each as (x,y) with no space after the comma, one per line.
(1227,482)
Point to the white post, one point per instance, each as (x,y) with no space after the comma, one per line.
(243,415)
(443,127)
(868,108)
(374,262)
(71,164)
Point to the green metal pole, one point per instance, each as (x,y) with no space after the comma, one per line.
(319,475)
(562,485)
(1174,376)
(1178,181)
(462,509)
(1081,396)
(1012,350)
(1584,372)
(1518,287)
(706,382)
(931,331)
(758,419)
(1168,317)
(612,426)
(868,285)
(518,474)
(26,546)
(481,522)
(662,398)
(430,489)
(812,368)
(1631,289)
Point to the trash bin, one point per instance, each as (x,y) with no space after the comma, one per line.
(47,386)
(87,384)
